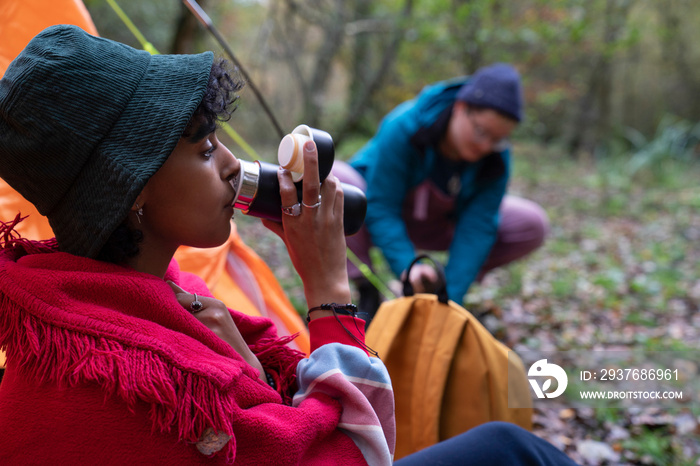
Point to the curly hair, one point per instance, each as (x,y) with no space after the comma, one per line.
(217,105)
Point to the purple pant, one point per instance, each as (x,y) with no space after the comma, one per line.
(523,227)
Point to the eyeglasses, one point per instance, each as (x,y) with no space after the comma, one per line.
(480,134)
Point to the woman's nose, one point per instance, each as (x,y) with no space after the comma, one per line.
(232,166)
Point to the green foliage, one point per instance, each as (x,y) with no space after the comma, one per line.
(564,284)
(610,279)
(675,138)
(514,286)
(651,445)
(617,244)
(156,20)
(556,44)
(349,147)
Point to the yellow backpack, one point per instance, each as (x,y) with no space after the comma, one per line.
(448,372)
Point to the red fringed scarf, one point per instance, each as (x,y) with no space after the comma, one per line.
(69,321)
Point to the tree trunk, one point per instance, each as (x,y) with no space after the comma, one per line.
(592,122)
(466,34)
(188,31)
(677,55)
(359,104)
(333,37)
(361,53)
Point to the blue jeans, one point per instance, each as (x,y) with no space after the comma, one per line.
(491,444)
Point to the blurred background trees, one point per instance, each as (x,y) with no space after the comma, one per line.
(599,75)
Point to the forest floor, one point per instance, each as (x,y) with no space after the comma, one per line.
(620,271)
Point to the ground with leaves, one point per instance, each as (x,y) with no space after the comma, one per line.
(621,269)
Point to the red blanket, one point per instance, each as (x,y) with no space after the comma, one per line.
(105,365)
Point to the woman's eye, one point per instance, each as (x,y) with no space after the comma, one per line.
(209,152)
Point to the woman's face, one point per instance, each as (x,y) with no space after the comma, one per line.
(189,200)
(472,135)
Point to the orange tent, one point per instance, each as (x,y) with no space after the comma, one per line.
(234,273)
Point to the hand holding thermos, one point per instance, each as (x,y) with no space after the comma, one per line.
(258,190)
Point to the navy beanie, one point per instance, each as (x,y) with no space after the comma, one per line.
(495,86)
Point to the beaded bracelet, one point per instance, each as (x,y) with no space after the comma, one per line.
(343,309)
(348,310)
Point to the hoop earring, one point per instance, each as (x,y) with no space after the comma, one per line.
(139,213)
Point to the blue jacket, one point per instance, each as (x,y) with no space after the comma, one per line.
(402,155)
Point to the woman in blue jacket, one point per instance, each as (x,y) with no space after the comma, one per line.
(436,174)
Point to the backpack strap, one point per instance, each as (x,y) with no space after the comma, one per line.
(442,290)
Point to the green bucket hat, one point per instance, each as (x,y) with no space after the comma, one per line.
(86,121)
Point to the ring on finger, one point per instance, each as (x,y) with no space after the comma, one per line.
(312,206)
(293,210)
(196,305)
